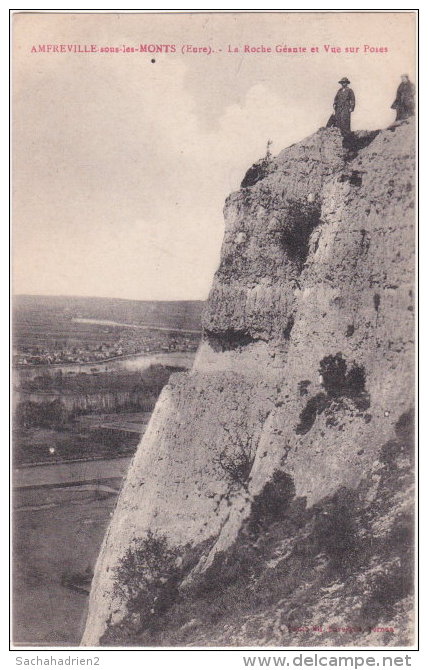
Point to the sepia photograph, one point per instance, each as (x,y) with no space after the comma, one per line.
(213,345)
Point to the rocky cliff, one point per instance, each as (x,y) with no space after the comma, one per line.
(271,492)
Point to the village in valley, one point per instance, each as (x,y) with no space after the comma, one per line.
(87,372)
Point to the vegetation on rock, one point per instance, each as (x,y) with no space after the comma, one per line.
(338,382)
(332,574)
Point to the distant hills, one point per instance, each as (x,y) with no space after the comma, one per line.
(169,313)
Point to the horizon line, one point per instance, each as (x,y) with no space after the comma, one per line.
(98,297)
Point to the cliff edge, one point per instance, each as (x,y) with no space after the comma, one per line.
(271,493)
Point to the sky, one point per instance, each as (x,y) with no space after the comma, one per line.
(121,165)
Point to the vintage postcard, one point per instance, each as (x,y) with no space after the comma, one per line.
(213,341)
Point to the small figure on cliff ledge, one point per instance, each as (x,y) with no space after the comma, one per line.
(404,101)
(344,105)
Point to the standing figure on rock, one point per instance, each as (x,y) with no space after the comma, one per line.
(404,101)
(344,104)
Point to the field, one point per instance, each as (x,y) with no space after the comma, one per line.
(66,369)
(50,544)
(41,320)
(51,330)
(82,400)
(46,445)
(84,415)
(173,314)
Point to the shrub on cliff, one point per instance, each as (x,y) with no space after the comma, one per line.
(339,383)
(335,528)
(301,561)
(146,578)
(236,461)
(338,380)
(272,502)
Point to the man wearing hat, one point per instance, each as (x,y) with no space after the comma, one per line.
(404,101)
(344,104)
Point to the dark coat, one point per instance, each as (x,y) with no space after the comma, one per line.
(331,123)
(344,104)
(404,101)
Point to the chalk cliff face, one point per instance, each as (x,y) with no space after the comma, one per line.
(303,378)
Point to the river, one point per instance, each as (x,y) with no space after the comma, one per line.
(133,362)
(105,322)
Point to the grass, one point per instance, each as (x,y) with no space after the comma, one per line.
(43,426)
(35,445)
(288,558)
(48,543)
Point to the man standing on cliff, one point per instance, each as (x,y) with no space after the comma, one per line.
(344,104)
(404,101)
